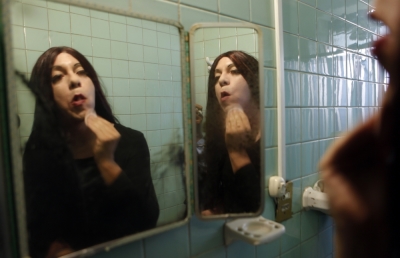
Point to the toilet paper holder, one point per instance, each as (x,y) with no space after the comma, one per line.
(314,198)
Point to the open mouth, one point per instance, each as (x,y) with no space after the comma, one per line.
(224,95)
(78,100)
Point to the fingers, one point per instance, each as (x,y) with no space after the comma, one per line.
(102,128)
(237,121)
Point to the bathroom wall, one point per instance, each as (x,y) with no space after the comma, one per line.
(331,82)
(138,62)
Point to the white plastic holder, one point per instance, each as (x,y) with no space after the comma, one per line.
(315,199)
(277,186)
(255,231)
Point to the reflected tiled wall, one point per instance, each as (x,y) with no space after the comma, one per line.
(138,62)
(331,82)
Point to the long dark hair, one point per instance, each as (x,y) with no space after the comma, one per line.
(215,149)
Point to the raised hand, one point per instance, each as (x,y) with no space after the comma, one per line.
(237,129)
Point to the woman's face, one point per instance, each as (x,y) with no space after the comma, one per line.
(387,48)
(73,90)
(231,88)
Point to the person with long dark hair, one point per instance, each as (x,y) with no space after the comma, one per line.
(232,136)
(87,178)
(361,171)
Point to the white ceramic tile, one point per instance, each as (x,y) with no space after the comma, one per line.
(100,28)
(119,50)
(35,17)
(37,39)
(80,25)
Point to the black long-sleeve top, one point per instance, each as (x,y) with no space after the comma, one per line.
(80,210)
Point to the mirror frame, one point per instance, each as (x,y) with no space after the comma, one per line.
(192,32)
(16,155)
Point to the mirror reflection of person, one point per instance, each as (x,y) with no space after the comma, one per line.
(232,136)
(361,169)
(87,177)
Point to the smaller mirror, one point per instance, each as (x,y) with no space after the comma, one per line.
(228,124)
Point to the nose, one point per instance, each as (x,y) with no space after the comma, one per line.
(223,80)
(74,82)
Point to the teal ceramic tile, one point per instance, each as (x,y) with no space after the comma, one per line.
(153,140)
(118,31)
(309,157)
(373,69)
(293,253)
(297,197)
(262,12)
(351,36)
(290,16)
(26,124)
(325,60)
(26,102)
(353,95)
(175,58)
(175,42)
(59,39)
(176,74)
(363,64)
(79,10)
(167,105)
(324,145)
(16,16)
(212,48)
(307,21)
(35,17)
(99,15)
(269,47)
(41,3)
(120,87)
(293,125)
(136,70)
(190,16)
(153,123)
(149,38)
(100,28)
(80,25)
(291,51)
(309,181)
(134,21)
(363,41)
(83,44)
(326,122)
(120,68)
(119,50)
(272,249)
(135,249)
(150,54)
(101,47)
(326,97)
(227,32)
(362,17)
(309,2)
(307,55)
(291,238)
(341,121)
(151,71)
(338,32)
(309,90)
(174,243)
(339,62)
(340,92)
(353,65)
(20,58)
(164,56)
(293,161)
(324,27)
(37,39)
(59,21)
(309,124)
(218,252)
(239,249)
(134,35)
(228,44)
(246,43)
(292,89)
(271,163)
(325,242)
(271,134)
(309,248)
(351,10)
(18,37)
(270,88)
(309,224)
(324,222)
(122,105)
(236,8)
(162,9)
(325,5)
(107,86)
(117,18)
(161,27)
(209,5)
(163,40)
(164,72)
(150,25)
(31,58)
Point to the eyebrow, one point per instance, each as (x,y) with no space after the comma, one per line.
(228,67)
(61,68)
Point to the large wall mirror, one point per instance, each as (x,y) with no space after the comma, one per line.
(99,161)
(226,74)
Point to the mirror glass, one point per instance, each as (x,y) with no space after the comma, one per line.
(228,125)
(91,179)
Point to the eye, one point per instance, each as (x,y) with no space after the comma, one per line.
(234,71)
(81,72)
(56,78)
